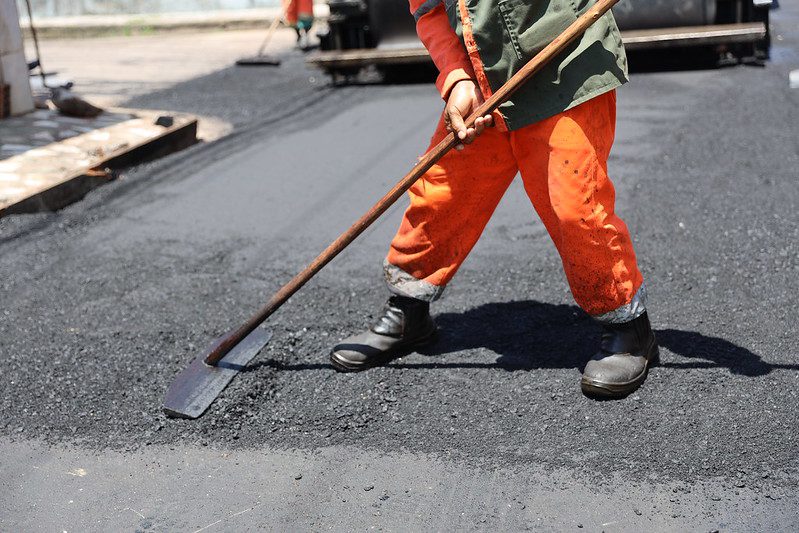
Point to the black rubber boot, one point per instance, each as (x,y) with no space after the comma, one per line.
(621,365)
(403,324)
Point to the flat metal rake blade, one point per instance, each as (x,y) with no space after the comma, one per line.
(199,384)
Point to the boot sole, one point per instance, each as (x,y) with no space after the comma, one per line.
(344,365)
(603,390)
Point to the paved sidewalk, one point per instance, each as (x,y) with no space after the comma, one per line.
(148,23)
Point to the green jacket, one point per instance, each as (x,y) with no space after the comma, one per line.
(508,33)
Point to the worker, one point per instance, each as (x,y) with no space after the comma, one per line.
(556,131)
(299,15)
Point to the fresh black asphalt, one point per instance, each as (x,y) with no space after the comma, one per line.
(105,301)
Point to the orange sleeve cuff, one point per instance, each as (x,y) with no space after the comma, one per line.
(447,80)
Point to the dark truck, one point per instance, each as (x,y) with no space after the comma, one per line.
(382,33)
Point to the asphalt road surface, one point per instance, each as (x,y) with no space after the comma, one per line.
(105,301)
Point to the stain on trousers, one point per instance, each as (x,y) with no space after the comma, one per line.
(563,164)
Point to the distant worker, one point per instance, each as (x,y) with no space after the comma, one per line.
(557,131)
(299,15)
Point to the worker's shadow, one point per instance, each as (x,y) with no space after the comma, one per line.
(531,335)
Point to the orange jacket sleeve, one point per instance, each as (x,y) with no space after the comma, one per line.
(446,49)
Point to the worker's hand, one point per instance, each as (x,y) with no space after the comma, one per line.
(464,98)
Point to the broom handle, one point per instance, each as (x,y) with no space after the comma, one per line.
(273,26)
(430,158)
(36,43)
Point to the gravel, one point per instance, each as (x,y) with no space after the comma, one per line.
(96,323)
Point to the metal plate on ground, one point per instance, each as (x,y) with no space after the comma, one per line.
(393,54)
(196,387)
(745,32)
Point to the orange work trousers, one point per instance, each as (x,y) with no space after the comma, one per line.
(299,13)
(563,164)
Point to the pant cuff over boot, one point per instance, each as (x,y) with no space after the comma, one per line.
(403,284)
(627,312)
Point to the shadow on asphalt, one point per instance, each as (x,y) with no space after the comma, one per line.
(529,335)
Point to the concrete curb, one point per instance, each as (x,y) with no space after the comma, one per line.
(53,176)
(153,23)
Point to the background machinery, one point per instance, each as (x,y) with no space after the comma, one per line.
(382,33)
